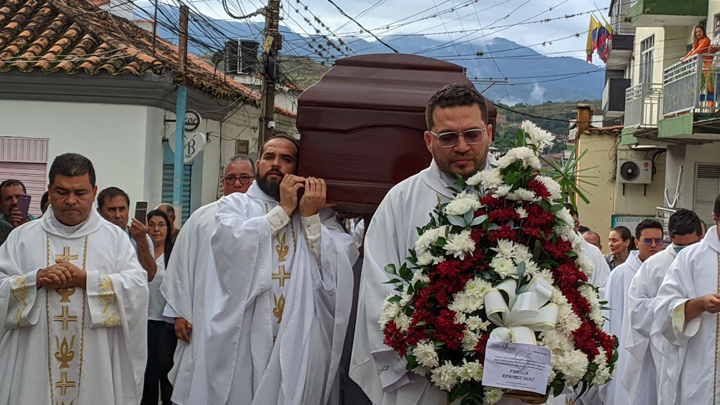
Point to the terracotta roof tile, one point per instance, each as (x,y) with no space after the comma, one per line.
(74,36)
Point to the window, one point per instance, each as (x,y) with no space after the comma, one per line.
(647,47)
(707,187)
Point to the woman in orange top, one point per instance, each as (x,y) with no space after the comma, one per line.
(701,43)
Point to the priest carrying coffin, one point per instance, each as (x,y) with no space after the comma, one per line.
(73,302)
(278,289)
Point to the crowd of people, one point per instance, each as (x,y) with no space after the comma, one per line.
(251,300)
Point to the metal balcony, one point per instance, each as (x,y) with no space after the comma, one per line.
(643,104)
(690,86)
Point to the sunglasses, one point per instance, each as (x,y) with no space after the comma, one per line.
(649,241)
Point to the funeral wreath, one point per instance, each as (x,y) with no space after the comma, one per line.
(499,262)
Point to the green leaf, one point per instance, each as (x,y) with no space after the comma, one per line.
(390,268)
(537,251)
(479,220)
(457,221)
(406,273)
(393,281)
(468,217)
(412,363)
(395,299)
(441,242)
(521,270)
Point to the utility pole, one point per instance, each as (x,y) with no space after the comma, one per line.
(271,45)
(179,162)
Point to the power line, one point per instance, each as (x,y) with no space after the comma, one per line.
(360,25)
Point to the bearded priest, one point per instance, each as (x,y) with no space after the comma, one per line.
(278,290)
(73,302)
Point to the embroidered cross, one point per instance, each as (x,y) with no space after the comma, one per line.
(64,383)
(65,318)
(281,276)
(66,256)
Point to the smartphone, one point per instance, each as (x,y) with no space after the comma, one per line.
(23,204)
(141,211)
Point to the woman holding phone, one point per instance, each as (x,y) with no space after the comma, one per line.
(161,335)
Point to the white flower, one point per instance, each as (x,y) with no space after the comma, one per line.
(552,187)
(426,259)
(503,267)
(460,318)
(489,179)
(445,377)
(419,276)
(403,322)
(544,275)
(405,298)
(586,265)
(429,237)
(502,191)
(505,248)
(573,364)
(592,297)
(567,319)
(425,355)
(469,341)
(564,216)
(390,311)
(522,254)
(556,341)
(537,136)
(522,194)
(463,203)
(521,211)
(460,244)
(477,287)
(523,154)
(492,395)
(477,324)
(602,375)
(470,371)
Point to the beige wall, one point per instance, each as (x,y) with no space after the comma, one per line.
(606,196)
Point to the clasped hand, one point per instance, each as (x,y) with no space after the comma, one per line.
(312,200)
(61,275)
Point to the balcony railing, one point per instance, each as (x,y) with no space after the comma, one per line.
(622,27)
(643,104)
(691,85)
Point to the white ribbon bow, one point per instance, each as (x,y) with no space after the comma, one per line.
(519,316)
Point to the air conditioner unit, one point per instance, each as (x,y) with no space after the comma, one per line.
(634,171)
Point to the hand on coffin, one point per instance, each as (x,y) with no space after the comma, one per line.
(314,198)
(289,188)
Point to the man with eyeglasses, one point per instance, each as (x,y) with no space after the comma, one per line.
(687,311)
(646,363)
(184,284)
(649,241)
(458,137)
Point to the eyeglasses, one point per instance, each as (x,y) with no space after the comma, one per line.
(230,180)
(161,225)
(649,241)
(450,139)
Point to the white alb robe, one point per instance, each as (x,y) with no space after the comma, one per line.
(184,291)
(615,294)
(693,274)
(78,345)
(375,367)
(646,361)
(238,362)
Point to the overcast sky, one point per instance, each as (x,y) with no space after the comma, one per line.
(509,18)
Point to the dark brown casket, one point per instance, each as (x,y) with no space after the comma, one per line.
(361,126)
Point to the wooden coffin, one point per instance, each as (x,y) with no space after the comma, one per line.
(361,126)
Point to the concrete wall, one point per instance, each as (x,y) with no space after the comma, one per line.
(694,154)
(606,196)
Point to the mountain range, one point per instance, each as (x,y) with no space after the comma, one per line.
(532,78)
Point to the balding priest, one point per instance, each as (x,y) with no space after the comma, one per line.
(73,302)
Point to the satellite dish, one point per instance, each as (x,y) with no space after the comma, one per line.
(629,171)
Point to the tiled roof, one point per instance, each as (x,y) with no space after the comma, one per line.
(74,36)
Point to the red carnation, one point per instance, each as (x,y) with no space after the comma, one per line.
(584,339)
(447,331)
(539,188)
(394,338)
(480,347)
(503,214)
(505,232)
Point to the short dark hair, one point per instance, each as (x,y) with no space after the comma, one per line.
(111,192)
(647,224)
(716,208)
(684,222)
(572,210)
(72,165)
(44,199)
(455,95)
(282,136)
(584,229)
(13,183)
